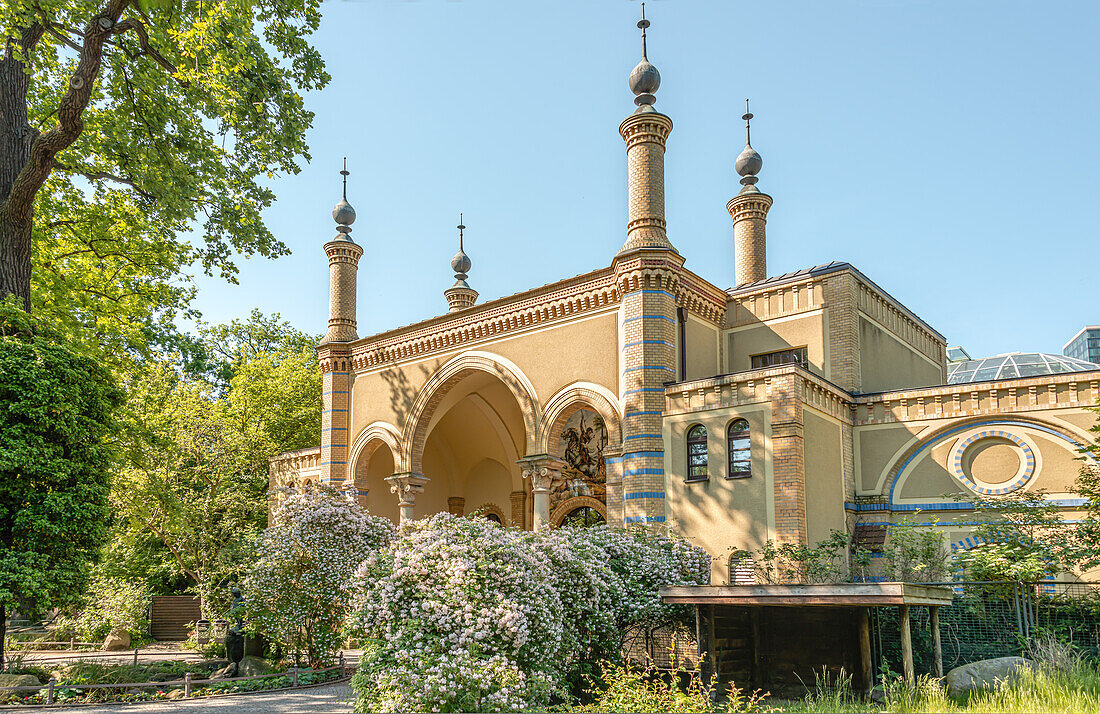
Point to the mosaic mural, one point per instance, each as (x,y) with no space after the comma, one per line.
(583,440)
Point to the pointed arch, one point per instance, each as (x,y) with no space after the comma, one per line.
(576,396)
(376,434)
(445,378)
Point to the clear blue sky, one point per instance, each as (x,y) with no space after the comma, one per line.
(950,150)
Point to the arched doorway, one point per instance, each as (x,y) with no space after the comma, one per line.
(373,465)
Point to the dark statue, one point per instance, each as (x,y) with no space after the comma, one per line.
(234,639)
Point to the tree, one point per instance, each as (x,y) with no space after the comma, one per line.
(197,464)
(298,592)
(127,128)
(57,427)
(1088,487)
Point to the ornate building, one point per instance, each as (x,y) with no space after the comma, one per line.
(640,393)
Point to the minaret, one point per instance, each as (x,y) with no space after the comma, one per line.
(460,295)
(647,271)
(749,210)
(343,264)
(334,351)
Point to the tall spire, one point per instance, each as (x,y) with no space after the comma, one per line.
(343,213)
(645,79)
(460,295)
(748,162)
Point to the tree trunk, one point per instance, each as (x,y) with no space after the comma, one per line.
(3,633)
(16,137)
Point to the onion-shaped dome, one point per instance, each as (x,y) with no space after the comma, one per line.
(1015,364)
(645,79)
(343,213)
(748,162)
(461,263)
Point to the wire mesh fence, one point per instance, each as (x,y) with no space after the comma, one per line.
(993,619)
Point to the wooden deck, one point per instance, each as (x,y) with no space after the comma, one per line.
(841,594)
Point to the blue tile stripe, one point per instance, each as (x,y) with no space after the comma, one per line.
(670,370)
(630,415)
(334,391)
(644,519)
(649,317)
(334,428)
(644,389)
(945,506)
(339,374)
(648,342)
(643,472)
(643,494)
(326,411)
(650,292)
(643,455)
(642,436)
(333,463)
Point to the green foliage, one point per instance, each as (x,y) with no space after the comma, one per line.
(180,137)
(112,603)
(915,553)
(627,688)
(1024,537)
(57,425)
(192,495)
(824,562)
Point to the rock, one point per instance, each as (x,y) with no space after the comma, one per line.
(878,695)
(175,694)
(983,676)
(227,672)
(19,680)
(211,665)
(254,666)
(119,639)
(165,677)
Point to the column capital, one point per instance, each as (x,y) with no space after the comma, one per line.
(406,486)
(541,469)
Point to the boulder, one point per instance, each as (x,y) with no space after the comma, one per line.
(211,665)
(175,694)
(119,639)
(18,680)
(984,676)
(247,667)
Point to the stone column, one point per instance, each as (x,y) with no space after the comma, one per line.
(749,212)
(406,486)
(542,470)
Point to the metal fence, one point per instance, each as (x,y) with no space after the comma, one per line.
(993,619)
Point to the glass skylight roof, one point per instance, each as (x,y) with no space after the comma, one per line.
(1015,364)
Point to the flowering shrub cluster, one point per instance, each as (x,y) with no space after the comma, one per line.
(297,593)
(113,603)
(460,614)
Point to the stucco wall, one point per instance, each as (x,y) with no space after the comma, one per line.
(780,334)
(719,514)
(886,362)
(702,349)
(824,476)
(876,447)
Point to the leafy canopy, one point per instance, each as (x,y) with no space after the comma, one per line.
(196,106)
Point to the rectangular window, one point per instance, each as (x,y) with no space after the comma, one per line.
(796,355)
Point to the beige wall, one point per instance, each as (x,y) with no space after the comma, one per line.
(886,362)
(702,349)
(719,514)
(780,334)
(876,447)
(824,476)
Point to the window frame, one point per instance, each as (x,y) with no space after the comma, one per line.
(801,351)
(747,431)
(689,439)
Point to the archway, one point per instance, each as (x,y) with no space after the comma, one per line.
(374,463)
(474,433)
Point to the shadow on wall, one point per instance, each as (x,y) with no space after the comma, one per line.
(402,393)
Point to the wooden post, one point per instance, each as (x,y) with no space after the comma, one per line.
(135,658)
(49,692)
(755,678)
(937,646)
(906,646)
(295,677)
(865,650)
(343,668)
(72,643)
(187,685)
(704,635)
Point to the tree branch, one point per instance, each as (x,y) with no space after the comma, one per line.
(146,48)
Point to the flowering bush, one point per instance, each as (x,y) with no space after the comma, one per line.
(463,615)
(297,593)
(113,603)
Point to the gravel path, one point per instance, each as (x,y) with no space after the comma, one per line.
(326,699)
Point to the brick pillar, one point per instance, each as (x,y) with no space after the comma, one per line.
(749,212)
(456,505)
(788,458)
(519,503)
(647,271)
(335,403)
(840,295)
(613,458)
(343,266)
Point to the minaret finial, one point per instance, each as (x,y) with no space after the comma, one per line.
(461,228)
(645,79)
(747,116)
(748,162)
(461,262)
(343,213)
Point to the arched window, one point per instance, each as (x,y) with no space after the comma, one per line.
(739,447)
(742,568)
(697,453)
(493,518)
(583,516)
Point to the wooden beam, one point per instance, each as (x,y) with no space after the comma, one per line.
(704,636)
(937,646)
(755,677)
(906,646)
(865,650)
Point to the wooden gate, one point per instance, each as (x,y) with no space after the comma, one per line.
(170,614)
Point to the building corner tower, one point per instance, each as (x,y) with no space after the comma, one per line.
(334,350)
(749,211)
(460,295)
(647,272)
